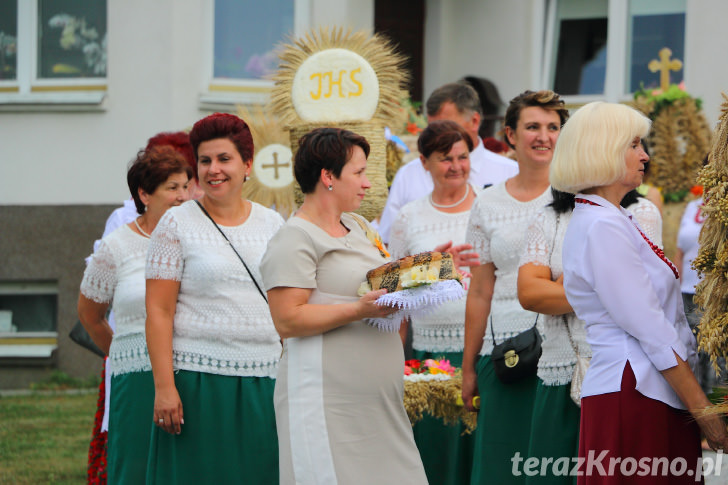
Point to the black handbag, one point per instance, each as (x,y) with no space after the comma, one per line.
(79,335)
(517,357)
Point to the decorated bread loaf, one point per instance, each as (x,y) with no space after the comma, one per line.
(411,271)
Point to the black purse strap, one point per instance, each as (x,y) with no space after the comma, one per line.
(233,248)
(493,333)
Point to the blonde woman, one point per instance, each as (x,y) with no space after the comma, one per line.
(640,399)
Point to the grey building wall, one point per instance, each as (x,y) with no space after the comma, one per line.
(42,243)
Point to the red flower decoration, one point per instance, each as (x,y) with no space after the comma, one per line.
(97,449)
(413,363)
(696,190)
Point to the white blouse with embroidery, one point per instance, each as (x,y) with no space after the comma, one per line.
(420,227)
(630,300)
(115,275)
(222,324)
(497,229)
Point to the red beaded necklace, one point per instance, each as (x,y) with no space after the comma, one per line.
(659,252)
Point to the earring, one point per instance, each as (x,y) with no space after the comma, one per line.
(331,187)
(245,178)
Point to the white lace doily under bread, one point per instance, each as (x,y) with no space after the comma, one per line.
(222,324)
(648,217)
(420,227)
(497,230)
(115,272)
(544,241)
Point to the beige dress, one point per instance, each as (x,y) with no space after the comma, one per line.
(338,396)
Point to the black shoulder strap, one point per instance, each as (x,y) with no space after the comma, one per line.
(233,248)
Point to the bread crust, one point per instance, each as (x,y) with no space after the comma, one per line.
(388,275)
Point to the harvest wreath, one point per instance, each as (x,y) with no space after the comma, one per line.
(434,387)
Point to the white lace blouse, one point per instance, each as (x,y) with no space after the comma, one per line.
(222,325)
(544,241)
(497,229)
(115,275)
(649,219)
(420,227)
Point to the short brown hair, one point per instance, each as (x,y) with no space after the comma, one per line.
(151,168)
(324,149)
(545,99)
(440,136)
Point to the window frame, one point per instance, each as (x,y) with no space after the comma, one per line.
(619,54)
(223,92)
(29,344)
(28,90)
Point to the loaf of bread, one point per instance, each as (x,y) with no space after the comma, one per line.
(411,271)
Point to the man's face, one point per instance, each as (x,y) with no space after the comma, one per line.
(469,121)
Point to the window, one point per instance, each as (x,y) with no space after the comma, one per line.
(8,40)
(654,25)
(251,56)
(598,49)
(28,318)
(52,51)
(242,46)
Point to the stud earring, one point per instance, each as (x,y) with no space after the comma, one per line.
(331,187)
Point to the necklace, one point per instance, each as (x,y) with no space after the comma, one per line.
(140,228)
(659,252)
(450,206)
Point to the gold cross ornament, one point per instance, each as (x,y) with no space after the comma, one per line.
(664,65)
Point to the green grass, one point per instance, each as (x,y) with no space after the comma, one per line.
(45,438)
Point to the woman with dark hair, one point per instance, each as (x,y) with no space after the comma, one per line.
(180,141)
(555,421)
(158,179)
(440,217)
(339,391)
(640,399)
(212,343)
(498,221)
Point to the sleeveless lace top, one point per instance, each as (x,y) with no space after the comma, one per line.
(420,227)
(496,229)
(222,325)
(544,241)
(115,275)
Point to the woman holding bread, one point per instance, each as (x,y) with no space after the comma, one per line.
(498,221)
(442,216)
(338,398)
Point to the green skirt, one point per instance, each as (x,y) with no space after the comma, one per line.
(131,411)
(446,452)
(504,426)
(229,435)
(554,434)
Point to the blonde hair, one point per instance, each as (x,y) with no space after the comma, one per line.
(592,146)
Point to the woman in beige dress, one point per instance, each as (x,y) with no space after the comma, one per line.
(338,395)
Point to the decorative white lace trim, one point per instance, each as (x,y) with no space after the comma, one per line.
(416,301)
(229,367)
(450,338)
(128,353)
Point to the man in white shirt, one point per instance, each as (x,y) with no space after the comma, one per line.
(456,102)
